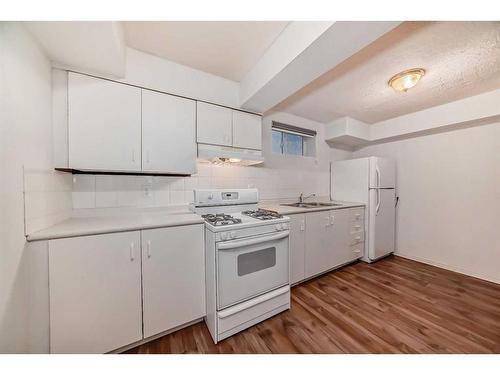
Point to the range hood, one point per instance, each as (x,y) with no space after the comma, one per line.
(229,155)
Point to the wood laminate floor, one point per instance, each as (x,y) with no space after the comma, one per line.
(393,306)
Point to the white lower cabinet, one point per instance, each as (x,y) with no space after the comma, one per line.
(297,247)
(102,299)
(323,240)
(340,221)
(95,292)
(173,277)
(319,249)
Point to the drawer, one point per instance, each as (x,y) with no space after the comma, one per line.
(235,318)
(357,215)
(357,227)
(357,237)
(358,250)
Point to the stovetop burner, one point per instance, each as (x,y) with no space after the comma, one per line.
(262,214)
(220,219)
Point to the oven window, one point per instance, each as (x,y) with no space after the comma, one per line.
(256,261)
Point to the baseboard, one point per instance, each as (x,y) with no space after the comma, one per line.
(489,278)
(152,338)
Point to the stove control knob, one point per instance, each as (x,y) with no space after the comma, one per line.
(233,234)
(278,227)
(223,236)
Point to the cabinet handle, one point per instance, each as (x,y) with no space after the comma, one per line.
(332,219)
(133,156)
(132,252)
(357,227)
(147,156)
(302,225)
(327,221)
(148,248)
(357,251)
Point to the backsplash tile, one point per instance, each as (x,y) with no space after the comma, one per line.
(101,191)
(47,198)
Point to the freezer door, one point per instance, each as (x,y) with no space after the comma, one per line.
(382,173)
(349,180)
(382,223)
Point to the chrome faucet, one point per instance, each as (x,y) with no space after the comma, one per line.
(301,197)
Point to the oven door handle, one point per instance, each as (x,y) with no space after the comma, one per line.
(252,241)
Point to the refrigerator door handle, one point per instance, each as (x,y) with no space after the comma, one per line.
(378,202)
(377,171)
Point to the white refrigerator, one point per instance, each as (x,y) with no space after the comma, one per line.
(371,181)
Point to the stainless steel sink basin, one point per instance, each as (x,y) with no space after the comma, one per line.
(305,205)
(323,204)
(311,204)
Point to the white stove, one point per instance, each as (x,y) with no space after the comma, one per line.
(247,260)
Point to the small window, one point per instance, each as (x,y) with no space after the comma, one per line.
(291,140)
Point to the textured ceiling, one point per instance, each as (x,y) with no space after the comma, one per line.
(461,59)
(226,49)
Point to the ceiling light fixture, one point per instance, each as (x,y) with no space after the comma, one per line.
(406,80)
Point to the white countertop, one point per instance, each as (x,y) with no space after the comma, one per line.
(288,210)
(94,222)
(128,221)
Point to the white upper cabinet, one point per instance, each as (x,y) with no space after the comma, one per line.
(173,277)
(104,124)
(168,133)
(247,130)
(95,292)
(214,124)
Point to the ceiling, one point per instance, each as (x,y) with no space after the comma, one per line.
(228,49)
(461,59)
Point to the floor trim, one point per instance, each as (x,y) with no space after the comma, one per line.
(157,336)
(449,268)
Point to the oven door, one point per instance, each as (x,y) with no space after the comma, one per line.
(252,266)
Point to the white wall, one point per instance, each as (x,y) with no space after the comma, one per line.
(145,70)
(279,177)
(449,208)
(25,140)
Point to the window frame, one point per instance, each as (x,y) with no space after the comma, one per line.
(283,129)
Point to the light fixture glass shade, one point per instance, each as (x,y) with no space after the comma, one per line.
(406,80)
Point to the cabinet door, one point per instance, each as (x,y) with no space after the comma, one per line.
(318,253)
(173,276)
(247,130)
(340,237)
(95,293)
(214,124)
(297,247)
(168,133)
(104,124)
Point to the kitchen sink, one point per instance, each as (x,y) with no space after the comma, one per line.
(311,204)
(323,204)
